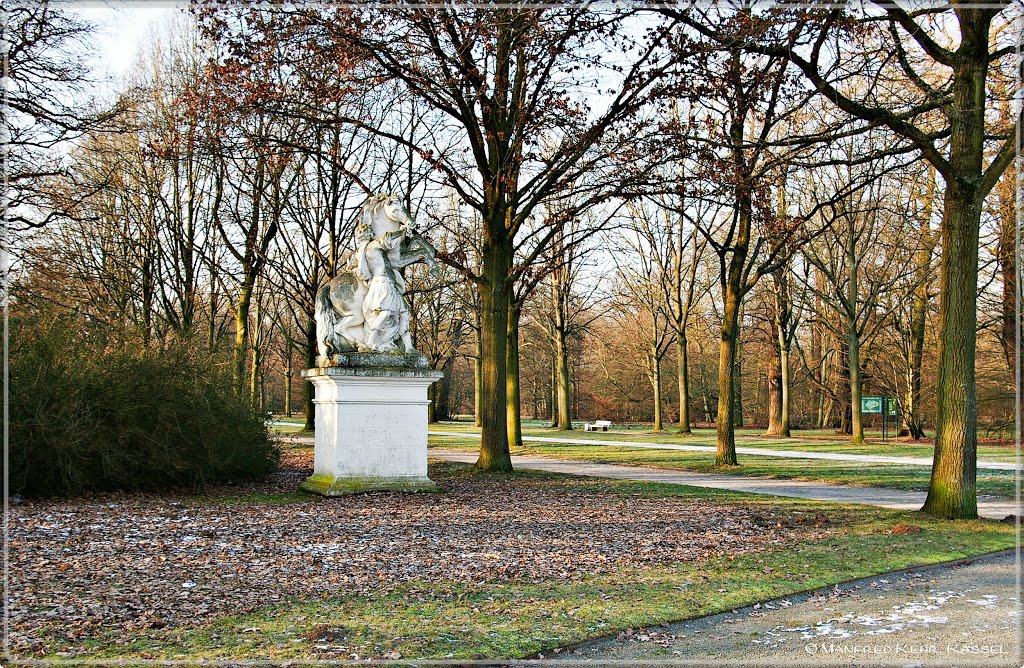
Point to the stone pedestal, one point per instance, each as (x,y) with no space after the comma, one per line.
(371,423)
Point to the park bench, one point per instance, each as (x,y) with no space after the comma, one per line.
(599,425)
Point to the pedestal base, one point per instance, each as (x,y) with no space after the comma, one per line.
(371,424)
(325,485)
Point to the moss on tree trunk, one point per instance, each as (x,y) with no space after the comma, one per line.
(512,399)
(495,299)
(725,451)
(241,337)
(952,493)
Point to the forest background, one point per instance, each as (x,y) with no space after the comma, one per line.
(644,216)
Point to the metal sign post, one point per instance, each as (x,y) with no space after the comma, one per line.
(884,405)
(885,418)
(889,408)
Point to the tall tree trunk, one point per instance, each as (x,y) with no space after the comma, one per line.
(952,491)
(853,336)
(148,280)
(857,419)
(495,300)
(735,277)
(442,396)
(918,316)
(843,394)
(659,424)
(782,325)
(257,358)
(309,408)
(553,394)
(478,380)
(551,400)
(512,381)
(432,405)
(241,334)
(784,430)
(562,377)
(817,353)
(288,384)
(681,316)
(1007,257)
(682,371)
(725,451)
(774,394)
(776,384)
(211,343)
(535,398)
(737,383)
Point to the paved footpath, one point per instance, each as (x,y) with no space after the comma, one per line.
(989,507)
(968,614)
(763,452)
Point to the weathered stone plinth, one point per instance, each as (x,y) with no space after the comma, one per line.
(371,423)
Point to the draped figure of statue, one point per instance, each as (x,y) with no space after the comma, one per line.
(385,312)
(364,308)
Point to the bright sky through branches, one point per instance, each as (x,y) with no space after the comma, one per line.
(121,30)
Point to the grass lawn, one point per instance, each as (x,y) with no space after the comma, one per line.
(287,425)
(818,440)
(296,420)
(783,546)
(990,482)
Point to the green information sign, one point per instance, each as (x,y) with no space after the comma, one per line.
(871,405)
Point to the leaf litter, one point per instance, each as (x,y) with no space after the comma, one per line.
(82,568)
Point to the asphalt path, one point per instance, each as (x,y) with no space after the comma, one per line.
(962,614)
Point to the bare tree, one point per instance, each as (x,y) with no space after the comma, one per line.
(641,299)
(941,60)
(862,259)
(569,307)
(923,212)
(751,104)
(671,240)
(45,106)
(498,76)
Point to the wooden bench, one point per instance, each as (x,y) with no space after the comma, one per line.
(599,425)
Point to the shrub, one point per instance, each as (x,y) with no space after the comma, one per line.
(86,418)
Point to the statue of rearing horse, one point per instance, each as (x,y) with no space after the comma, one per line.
(388,241)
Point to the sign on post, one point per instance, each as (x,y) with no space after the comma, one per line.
(871,405)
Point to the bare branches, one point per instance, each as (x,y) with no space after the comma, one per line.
(42,80)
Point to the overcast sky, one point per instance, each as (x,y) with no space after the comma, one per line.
(121,28)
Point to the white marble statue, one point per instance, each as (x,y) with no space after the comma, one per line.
(363,308)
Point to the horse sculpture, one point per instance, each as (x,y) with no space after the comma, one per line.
(387,242)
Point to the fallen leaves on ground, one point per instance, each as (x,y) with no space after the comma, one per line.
(903,529)
(130,563)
